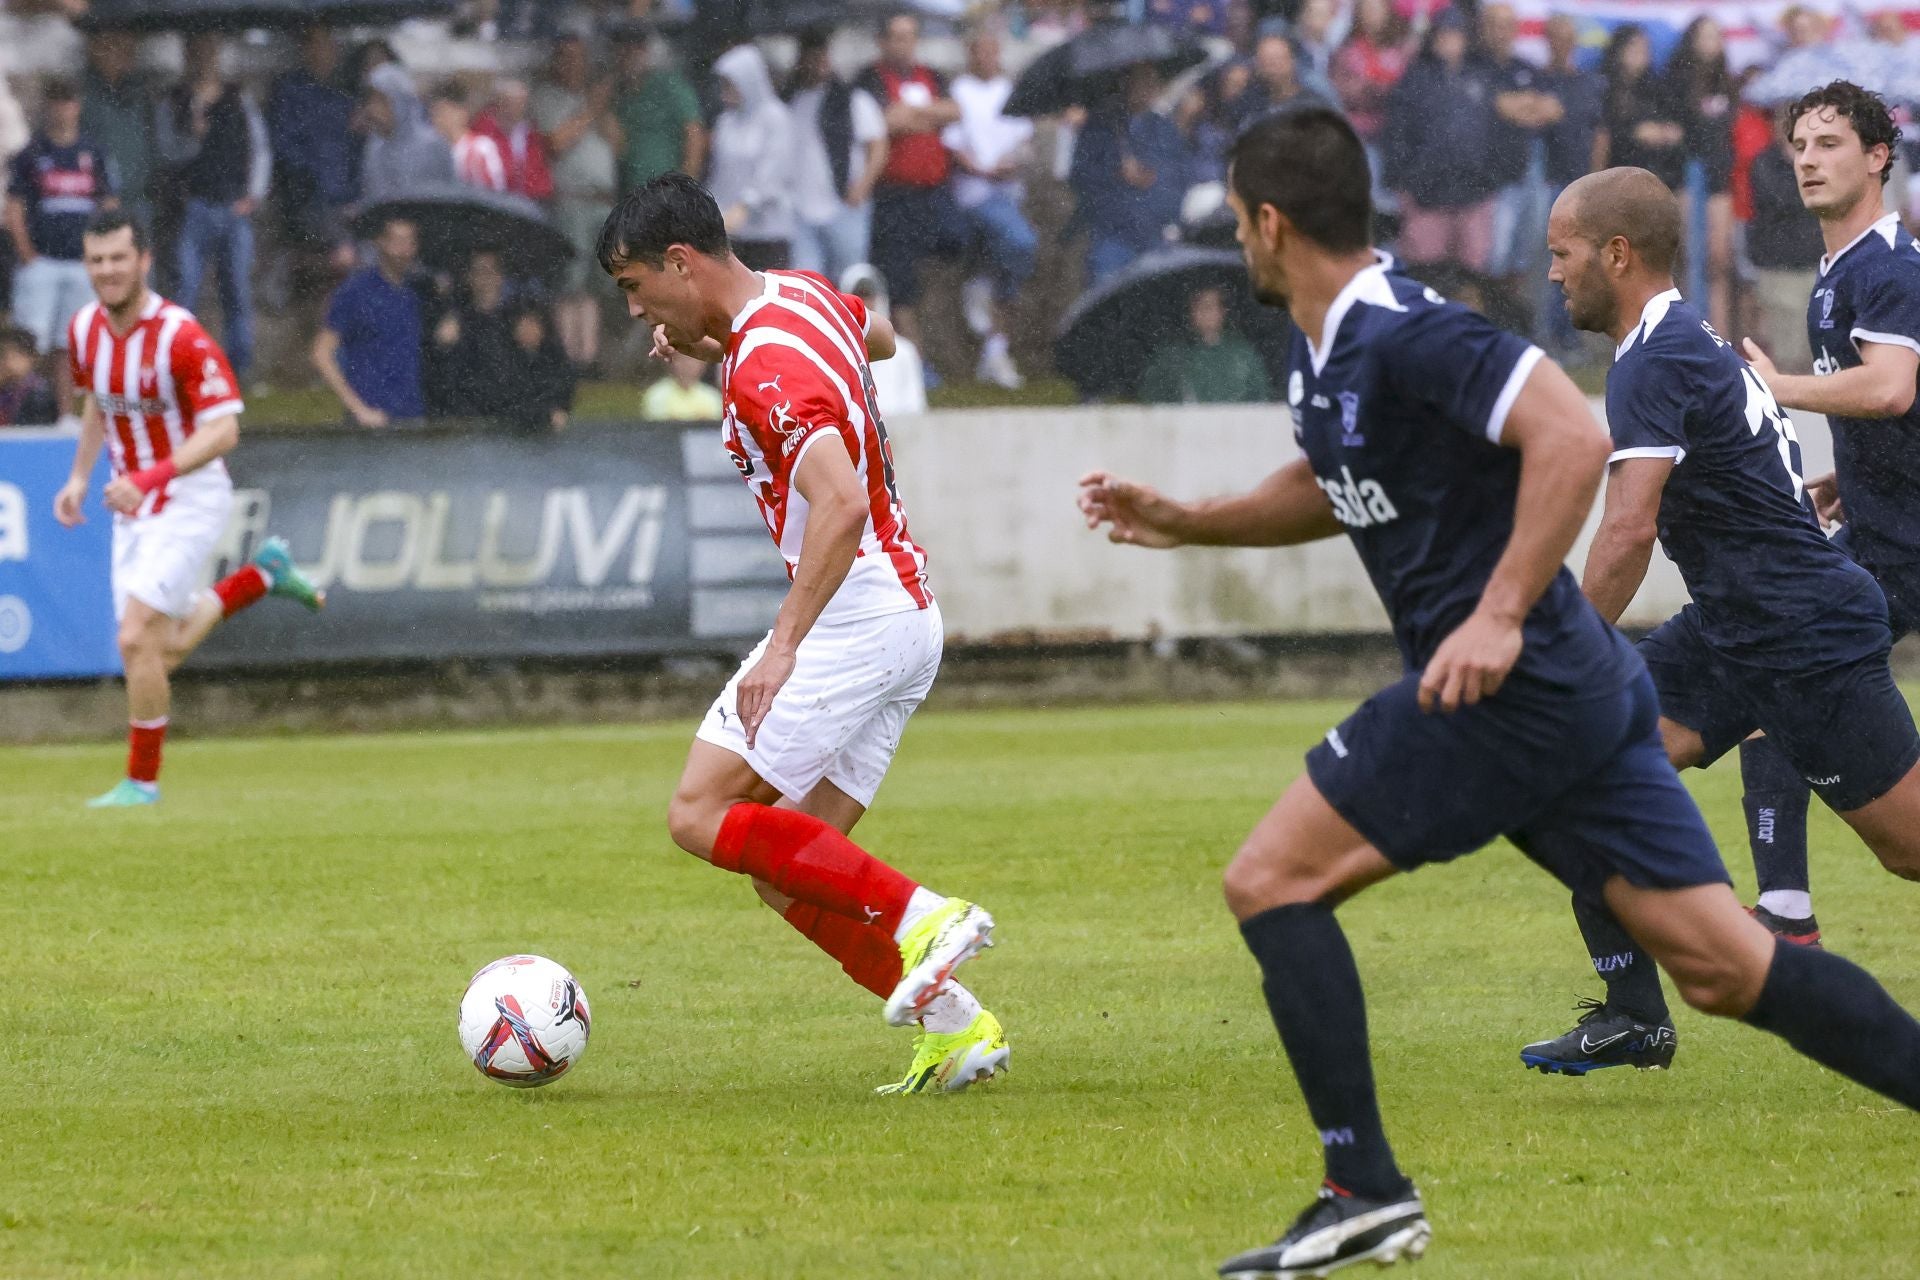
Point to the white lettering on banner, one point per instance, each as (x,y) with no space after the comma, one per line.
(13,523)
(362,555)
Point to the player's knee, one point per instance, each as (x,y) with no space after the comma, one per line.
(693,824)
(1714,986)
(1258,879)
(138,644)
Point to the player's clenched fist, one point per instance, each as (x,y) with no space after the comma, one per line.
(1135,514)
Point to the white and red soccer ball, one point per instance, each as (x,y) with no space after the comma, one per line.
(524,1021)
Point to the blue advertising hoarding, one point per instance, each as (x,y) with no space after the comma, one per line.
(56,601)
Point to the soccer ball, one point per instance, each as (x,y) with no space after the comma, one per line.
(524,1021)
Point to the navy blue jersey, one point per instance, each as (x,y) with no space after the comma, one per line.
(1870,292)
(1735,517)
(60,188)
(1399,416)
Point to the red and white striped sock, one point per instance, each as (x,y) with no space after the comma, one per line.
(143,749)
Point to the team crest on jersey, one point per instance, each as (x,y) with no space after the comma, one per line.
(213,383)
(1350,420)
(149,382)
(1826,307)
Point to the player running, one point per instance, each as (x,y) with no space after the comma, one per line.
(1785,633)
(1864,321)
(790,755)
(160,393)
(1462,464)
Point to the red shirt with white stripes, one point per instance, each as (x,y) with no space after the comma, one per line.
(155,384)
(477,162)
(796,377)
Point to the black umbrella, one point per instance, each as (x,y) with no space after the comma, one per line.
(1089,66)
(1113,331)
(456,221)
(251,15)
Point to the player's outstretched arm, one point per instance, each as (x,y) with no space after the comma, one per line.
(1881,386)
(836,517)
(1563,453)
(1285,509)
(1629,526)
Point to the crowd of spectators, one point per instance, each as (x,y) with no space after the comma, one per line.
(889,176)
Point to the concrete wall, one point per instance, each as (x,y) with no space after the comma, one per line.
(991,495)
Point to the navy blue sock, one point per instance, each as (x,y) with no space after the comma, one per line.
(1313,991)
(1632,978)
(1776,804)
(1836,1013)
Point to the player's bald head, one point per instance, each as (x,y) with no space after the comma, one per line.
(1631,204)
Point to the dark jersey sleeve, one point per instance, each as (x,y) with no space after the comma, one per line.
(1647,403)
(1887,309)
(1460,364)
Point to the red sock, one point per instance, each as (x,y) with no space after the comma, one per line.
(143,748)
(240,588)
(866,953)
(810,862)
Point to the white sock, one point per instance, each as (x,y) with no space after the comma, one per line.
(923,902)
(952,1010)
(1791,904)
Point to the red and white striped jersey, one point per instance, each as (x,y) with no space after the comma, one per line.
(155,385)
(796,375)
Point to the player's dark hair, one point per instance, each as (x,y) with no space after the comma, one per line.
(1862,108)
(108,221)
(671,209)
(1307,162)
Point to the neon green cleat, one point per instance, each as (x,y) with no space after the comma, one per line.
(939,943)
(274,560)
(949,1063)
(126,794)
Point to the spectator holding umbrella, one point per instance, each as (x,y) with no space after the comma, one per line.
(584,139)
(1214,366)
(468,365)
(751,174)
(215,139)
(369,350)
(507,124)
(1128,175)
(540,394)
(1440,129)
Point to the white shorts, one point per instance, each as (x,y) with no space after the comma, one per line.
(158,558)
(47,293)
(840,715)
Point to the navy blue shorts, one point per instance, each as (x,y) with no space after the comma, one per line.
(1846,728)
(1580,783)
(1900,583)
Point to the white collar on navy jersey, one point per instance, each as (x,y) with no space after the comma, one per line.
(1369,285)
(1887,227)
(1650,317)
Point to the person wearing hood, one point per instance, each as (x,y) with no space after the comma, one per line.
(402,148)
(900,382)
(750,171)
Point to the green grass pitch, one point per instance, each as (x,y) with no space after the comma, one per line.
(230,1045)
